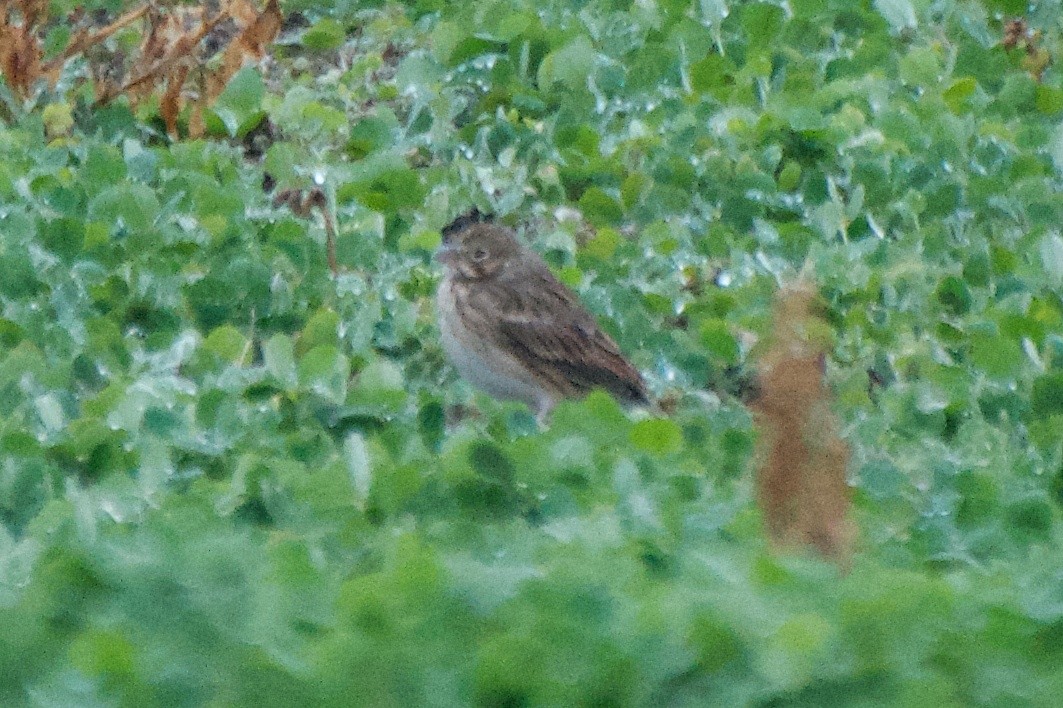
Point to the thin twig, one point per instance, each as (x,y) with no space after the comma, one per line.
(330,240)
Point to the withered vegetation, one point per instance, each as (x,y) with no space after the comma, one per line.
(1018,35)
(176,54)
(801,474)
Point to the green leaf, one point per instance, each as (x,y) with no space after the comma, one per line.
(132,207)
(1052,258)
(228,343)
(58,119)
(954,294)
(325,35)
(322,329)
(240,105)
(103,168)
(717,339)
(958,92)
(711,73)
(763,22)
(419,73)
(445,38)
(1046,398)
(1014,8)
(370,135)
(99,652)
(790,176)
(600,208)
(604,243)
(570,65)
(715,642)
(380,385)
(921,67)
(278,354)
(898,13)
(1049,99)
(324,371)
(386,190)
(658,436)
(997,357)
(1032,516)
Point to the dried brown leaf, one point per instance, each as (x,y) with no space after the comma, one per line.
(20,52)
(248,46)
(34,12)
(177,44)
(197,125)
(1014,31)
(170,104)
(301,202)
(1017,34)
(802,460)
(181,52)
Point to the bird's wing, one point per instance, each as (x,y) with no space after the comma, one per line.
(547,329)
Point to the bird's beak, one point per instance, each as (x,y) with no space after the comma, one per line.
(447,254)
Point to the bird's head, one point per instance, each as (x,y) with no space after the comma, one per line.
(475,249)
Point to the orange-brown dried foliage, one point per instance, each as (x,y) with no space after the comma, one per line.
(801,476)
(1019,35)
(249,45)
(178,42)
(20,52)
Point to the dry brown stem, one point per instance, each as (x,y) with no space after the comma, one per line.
(302,203)
(801,475)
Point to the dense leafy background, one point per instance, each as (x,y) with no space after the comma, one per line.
(226,478)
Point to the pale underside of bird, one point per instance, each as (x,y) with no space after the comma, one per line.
(513,330)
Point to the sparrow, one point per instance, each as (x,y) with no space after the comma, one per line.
(513,330)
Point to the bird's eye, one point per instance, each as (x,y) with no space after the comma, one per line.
(479,254)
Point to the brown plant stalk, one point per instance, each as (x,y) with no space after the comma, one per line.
(802,460)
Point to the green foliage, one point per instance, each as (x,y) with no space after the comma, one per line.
(228,478)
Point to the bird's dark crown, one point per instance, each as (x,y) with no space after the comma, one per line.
(473,216)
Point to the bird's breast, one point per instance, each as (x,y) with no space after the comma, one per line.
(466,335)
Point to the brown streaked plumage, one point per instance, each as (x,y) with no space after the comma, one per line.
(514,330)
